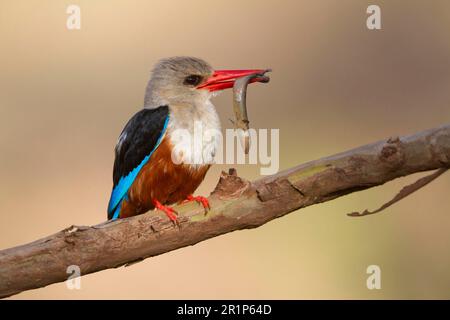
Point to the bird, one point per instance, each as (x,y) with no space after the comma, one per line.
(153,164)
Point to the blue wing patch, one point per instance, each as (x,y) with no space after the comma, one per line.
(120,190)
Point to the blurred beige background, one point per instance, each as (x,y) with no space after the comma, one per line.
(66,95)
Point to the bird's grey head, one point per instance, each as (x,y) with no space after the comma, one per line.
(175,81)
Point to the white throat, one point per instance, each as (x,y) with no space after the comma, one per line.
(194,132)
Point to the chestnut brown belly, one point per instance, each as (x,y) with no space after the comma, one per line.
(162,180)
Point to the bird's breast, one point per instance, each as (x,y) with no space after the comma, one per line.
(163,180)
(194,134)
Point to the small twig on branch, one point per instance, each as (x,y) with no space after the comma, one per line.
(406,191)
(236,204)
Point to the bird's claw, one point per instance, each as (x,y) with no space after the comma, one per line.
(201,200)
(170,212)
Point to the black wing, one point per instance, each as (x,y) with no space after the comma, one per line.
(138,140)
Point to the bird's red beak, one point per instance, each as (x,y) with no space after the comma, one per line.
(224,79)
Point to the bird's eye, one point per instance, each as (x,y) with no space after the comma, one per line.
(192,80)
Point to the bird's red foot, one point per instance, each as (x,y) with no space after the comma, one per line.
(170,213)
(202,200)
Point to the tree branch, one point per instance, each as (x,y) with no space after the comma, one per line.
(236,204)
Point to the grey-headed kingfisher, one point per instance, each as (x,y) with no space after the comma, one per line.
(177,97)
